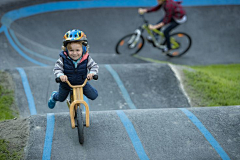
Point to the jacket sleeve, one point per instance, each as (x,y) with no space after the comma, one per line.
(58,68)
(154,8)
(92,65)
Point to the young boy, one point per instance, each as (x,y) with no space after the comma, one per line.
(73,65)
(174,15)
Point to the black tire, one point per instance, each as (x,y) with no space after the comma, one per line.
(80,125)
(184,41)
(123,47)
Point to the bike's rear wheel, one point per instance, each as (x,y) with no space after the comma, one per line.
(80,125)
(130,44)
(180,45)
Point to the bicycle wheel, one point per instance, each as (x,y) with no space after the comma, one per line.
(130,44)
(80,125)
(181,42)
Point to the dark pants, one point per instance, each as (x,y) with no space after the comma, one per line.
(173,24)
(88,91)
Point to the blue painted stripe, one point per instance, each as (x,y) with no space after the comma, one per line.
(121,86)
(1,29)
(48,137)
(28,50)
(206,134)
(133,135)
(28,92)
(19,51)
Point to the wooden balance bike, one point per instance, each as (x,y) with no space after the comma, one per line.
(75,109)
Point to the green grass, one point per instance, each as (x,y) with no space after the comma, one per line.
(214,85)
(6,100)
(7,152)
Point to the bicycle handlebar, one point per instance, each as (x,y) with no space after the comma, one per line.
(58,80)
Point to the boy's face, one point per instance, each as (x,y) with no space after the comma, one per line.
(75,50)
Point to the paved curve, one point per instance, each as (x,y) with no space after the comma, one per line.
(160,128)
(214,39)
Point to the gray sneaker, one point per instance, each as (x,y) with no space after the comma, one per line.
(165,50)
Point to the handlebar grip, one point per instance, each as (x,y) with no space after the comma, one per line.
(95,77)
(58,80)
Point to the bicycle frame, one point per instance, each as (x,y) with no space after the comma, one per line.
(150,32)
(77,101)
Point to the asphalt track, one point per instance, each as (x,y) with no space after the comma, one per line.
(141,111)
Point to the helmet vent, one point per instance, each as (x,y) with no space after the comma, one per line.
(70,35)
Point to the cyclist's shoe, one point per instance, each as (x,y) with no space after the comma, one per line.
(165,50)
(51,101)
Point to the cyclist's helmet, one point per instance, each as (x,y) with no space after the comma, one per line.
(75,35)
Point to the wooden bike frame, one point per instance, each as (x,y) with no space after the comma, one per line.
(77,101)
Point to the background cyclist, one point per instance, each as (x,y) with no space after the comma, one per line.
(174,15)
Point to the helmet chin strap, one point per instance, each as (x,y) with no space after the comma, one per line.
(84,49)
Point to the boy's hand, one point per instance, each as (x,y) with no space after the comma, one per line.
(152,27)
(90,76)
(142,11)
(157,26)
(63,78)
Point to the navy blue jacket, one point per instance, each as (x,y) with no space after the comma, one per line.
(76,76)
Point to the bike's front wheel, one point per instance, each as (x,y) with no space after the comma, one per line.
(80,125)
(130,44)
(180,43)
